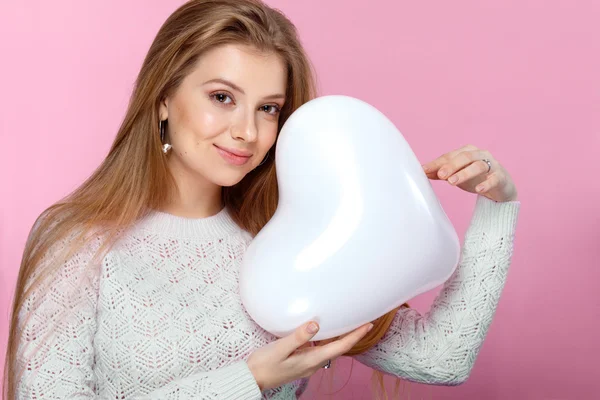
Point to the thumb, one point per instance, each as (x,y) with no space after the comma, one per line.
(299,337)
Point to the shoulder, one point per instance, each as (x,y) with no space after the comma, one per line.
(245,236)
(59,247)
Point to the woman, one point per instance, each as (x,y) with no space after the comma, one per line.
(128,287)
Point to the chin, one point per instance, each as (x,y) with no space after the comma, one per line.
(228,178)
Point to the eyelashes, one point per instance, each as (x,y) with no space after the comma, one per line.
(275,107)
(225,99)
(221,97)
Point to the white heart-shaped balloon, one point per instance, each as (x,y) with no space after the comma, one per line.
(358,230)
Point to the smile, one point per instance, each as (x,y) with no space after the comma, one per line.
(234,157)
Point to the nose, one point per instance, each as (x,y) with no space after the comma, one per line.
(245,128)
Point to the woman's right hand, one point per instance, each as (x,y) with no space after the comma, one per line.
(291,357)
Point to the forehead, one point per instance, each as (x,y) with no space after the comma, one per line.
(257,73)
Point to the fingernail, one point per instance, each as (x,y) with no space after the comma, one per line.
(443,173)
(425,168)
(479,188)
(312,328)
(453,179)
(369,328)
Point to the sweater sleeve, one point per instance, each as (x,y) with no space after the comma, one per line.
(441,346)
(55,358)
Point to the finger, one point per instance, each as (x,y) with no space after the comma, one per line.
(298,338)
(300,350)
(460,161)
(320,355)
(306,345)
(475,169)
(492,181)
(431,168)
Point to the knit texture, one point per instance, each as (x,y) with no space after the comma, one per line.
(160,316)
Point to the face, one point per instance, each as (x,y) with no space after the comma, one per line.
(223,118)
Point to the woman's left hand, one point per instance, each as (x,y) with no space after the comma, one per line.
(466,169)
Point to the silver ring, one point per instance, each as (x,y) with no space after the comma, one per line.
(328,365)
(489,163)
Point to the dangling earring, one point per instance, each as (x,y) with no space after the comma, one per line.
(161,128)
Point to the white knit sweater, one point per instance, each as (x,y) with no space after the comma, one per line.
(160,316)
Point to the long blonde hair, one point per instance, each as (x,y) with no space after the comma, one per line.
(134,179)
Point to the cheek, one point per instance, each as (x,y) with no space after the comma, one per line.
(207,123)
(194,120)
(192,134)
(268,136)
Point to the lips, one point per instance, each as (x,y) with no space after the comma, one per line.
(234,156)
(235,152)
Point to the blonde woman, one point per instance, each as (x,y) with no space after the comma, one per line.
(128,288)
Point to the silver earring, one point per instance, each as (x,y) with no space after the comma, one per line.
(263,161)
(161,128)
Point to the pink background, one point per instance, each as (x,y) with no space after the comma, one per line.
(520,78)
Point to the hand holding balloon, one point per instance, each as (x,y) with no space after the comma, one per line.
(292,357)
(467,169)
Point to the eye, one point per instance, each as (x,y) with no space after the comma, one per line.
(222,98)
(271,109)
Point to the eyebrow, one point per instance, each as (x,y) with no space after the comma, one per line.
(239,89)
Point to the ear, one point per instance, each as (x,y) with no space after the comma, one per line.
(163,109)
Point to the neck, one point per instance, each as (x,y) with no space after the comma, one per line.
(195,197)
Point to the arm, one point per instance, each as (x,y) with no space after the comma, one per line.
(56,352)
(441,346)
